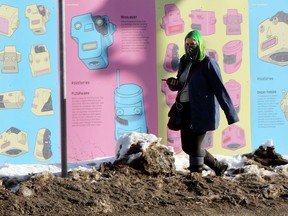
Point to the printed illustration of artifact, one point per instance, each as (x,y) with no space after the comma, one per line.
(129,109)
(13,142)
(11,100)
(284,104)
(234,90)
(93,34)
(171,61)
(42,151)
(172,23)
(208,140)
(38,16)
(233,138)
(203,21)
(9,20)
(174,140)
(212,53)
(39,60)
(10,58)
(272,39)
(42,102)
(233,21)
(232,56)
(170,95)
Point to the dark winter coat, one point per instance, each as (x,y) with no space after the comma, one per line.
(206,89)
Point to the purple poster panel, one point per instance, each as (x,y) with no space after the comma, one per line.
(110,65)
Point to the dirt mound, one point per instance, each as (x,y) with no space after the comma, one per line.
(156,159)
(122,188)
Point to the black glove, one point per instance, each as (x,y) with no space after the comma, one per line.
(173,82)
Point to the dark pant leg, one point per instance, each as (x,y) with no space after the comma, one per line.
(192,141)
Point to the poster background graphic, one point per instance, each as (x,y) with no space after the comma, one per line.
(208,17)
(23,81)
(90,93)
(269,80)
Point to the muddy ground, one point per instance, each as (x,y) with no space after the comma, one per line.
(122,190)
(150,185)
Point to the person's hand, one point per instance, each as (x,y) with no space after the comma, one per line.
(172,81)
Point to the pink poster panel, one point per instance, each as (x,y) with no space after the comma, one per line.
(110,65)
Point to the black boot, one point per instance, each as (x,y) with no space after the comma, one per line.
(194,168)
(219,167)
(195,164)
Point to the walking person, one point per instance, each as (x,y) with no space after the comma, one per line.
(200,92)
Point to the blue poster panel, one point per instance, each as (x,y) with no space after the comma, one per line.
(29,77)
(269,72)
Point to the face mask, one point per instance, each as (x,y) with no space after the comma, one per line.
(192,50)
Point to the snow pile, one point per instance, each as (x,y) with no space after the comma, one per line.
(145,152)
(125,142)
(123,145)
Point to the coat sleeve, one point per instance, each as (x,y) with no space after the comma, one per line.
(216,83)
